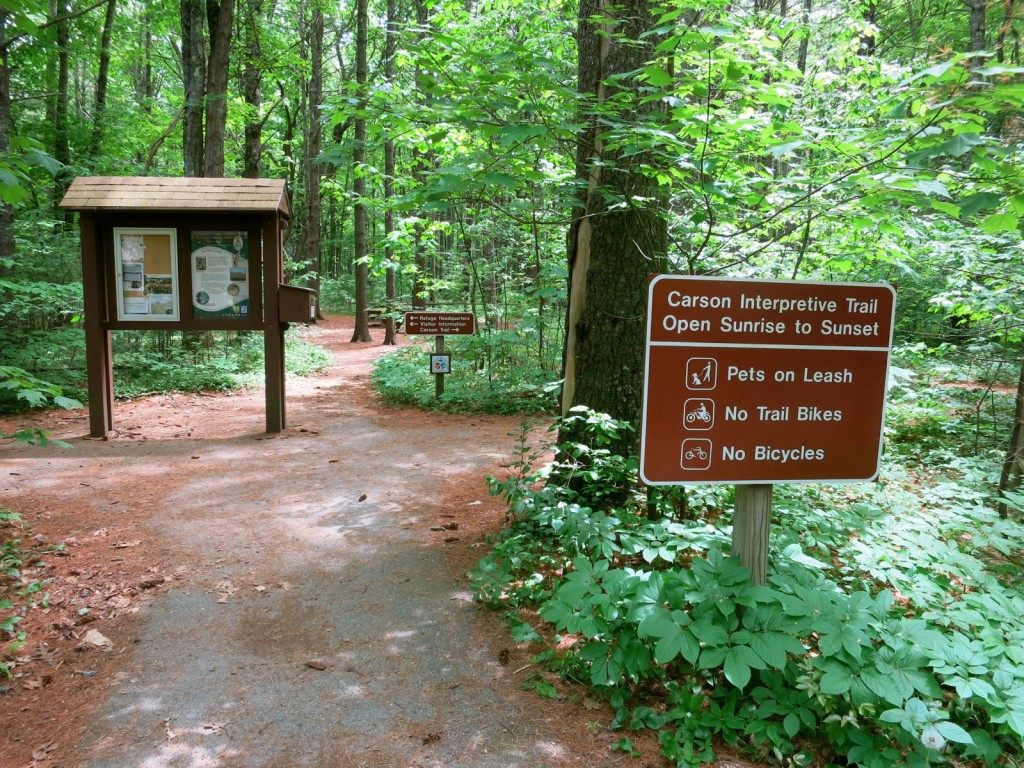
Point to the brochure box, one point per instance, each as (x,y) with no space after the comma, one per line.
(296,304)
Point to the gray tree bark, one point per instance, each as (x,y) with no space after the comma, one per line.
(390,46)
(193,76)
(362,329)
(612,248)
(219,19)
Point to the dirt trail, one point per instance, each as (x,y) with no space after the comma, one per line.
(291,600)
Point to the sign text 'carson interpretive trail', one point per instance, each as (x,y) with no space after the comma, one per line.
(763,381)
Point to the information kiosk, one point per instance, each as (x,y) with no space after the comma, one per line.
(185,254)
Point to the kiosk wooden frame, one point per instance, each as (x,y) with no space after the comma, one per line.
(180,220)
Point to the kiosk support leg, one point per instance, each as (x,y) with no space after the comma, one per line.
(273,348)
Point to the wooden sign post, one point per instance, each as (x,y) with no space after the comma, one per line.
(756,382)
(439,325)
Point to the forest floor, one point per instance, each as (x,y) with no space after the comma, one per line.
(219,596)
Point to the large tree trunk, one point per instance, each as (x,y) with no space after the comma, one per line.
(219,16)
(362,330)
(100,102)
(612,249)
(390,46)
(193,76)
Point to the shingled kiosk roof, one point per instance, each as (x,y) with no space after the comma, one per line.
(149,193)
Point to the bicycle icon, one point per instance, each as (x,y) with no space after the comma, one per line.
(695,454)
(699,413)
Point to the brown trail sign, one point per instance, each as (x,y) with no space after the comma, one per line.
(755,382)
(761,381)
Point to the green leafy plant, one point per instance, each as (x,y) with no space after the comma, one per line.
(889,632)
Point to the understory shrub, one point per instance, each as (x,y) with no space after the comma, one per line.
(492,372)
(890,632)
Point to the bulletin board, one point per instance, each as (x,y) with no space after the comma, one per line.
(146,265)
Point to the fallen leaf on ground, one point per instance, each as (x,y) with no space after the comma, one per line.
(225,589)
(125,544)
(96,639)
(43,752)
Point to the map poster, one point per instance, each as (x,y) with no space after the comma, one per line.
(146,274)
(220,275)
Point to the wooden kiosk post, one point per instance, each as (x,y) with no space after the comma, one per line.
(183,254)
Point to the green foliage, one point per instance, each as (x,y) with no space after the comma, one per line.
(889,632)
(492,372)
(16,592)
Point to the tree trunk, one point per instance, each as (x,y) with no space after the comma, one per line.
(7,244)
(420,163)
(193,77)
(390,46)
(313,146)
(869,38)
(362,330)
(250,84)
(1012,462)
(61,149)
(219,16)
(1004,28)
(100,101)
(612,249)
(976,21)
(805,37)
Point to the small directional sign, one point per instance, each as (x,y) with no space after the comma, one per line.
(440,323)
(764,381)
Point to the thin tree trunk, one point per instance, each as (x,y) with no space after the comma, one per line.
(193,76)
(420,164)
(7,244)
(61,148)
(313,146)
(250,82)
(101,81)
(1012,462)
(390,46)
(977,27)
(219,17)
(362,329)
(805,37)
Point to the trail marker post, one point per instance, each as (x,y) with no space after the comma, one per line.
(755,382)
(439,325)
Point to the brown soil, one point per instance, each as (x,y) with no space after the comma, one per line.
(121,529)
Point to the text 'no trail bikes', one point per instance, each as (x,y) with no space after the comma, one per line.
(763,381)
